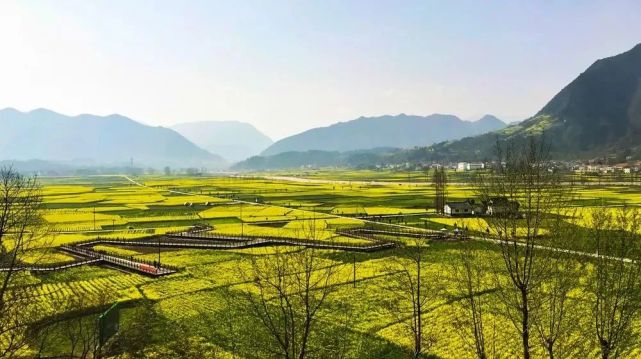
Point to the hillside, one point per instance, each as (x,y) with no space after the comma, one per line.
(401,131)
(232,140)
(46,135)
(597,114)
(316,158)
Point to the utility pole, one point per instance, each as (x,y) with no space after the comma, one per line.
(94,218)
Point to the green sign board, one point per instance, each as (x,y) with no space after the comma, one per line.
(108,323)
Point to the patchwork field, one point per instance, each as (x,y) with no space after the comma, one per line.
(196,297)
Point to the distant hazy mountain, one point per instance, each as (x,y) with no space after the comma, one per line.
(233,140)
(597,114)
(402,131)
(46,135)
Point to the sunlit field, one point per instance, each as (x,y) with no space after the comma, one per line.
(118,207)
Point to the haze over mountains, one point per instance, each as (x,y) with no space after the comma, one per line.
(42,135)
(401,131)
(232,140)
(46,135)
(597,114)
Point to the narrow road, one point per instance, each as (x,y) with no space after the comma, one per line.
(344,182)
(552,249)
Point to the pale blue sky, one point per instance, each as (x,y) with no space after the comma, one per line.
(286,66)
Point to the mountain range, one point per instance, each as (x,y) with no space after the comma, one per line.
(596,115)
(233,140)
(401,131)
(46,135)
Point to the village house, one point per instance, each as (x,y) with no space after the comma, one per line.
(496,206)
(463,208)
(499,206)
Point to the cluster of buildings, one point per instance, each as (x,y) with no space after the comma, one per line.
(497,206)
(598,168)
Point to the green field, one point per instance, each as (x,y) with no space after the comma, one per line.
(79,209)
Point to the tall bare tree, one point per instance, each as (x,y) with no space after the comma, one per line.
(21,226)
(472,285)
(439,179)
(412,293)
(616,281)
(557,318)
(81,328)
(290,288)
(520,192)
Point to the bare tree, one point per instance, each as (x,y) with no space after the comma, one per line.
(43,336)
(411,294)
(556,319)
(520,192)
(81,329)
(616,282)
(471,286)
(439,179)
(291,288)
(21,226)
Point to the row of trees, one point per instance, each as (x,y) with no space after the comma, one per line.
(557,267)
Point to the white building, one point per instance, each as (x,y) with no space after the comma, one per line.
(463,208)
(469,166)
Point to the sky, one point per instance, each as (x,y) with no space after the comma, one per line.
(287,66)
